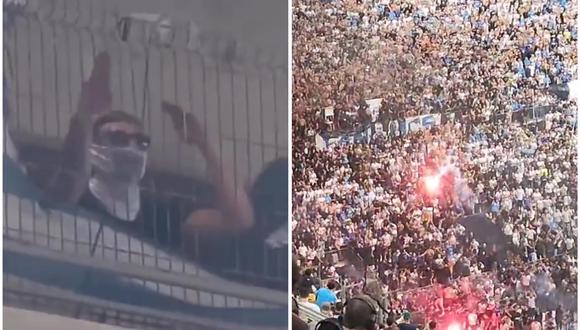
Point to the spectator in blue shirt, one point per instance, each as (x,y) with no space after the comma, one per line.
(326,295)
(495,206)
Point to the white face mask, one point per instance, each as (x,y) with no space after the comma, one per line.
(125,164)
(116,182)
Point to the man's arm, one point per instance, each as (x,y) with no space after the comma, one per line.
(70,179)
(235,212)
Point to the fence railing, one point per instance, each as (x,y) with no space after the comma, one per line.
(29,295)
(241,103)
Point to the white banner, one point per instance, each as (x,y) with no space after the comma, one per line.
(422,122)
(319,141)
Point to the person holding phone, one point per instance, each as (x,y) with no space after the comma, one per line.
(102,180)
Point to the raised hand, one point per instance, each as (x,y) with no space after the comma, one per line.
(96,97)
(185,123)
(69,182)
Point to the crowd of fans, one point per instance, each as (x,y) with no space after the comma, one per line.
(476,59)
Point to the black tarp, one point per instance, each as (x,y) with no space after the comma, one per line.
(562,91)
(485,231)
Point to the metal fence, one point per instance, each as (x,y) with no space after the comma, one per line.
(241,101)
(238,94)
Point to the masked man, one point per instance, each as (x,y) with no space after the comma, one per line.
(103,168)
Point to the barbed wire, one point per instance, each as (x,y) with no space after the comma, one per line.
(151,29)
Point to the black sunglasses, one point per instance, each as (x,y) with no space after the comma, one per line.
(122,139)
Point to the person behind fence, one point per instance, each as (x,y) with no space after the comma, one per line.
(105,159)
(104,168)
(326,295)
(305,290)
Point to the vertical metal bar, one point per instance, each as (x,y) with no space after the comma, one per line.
(266,257)
(9,63)
(30,74)
(163,132)
(249,150)
(120,70)
(16,77)
(179,160)
(34,223)
(6,229)
(129,236)
(204,98)
(145,113)
(76,235)
(127,215)
(47,229)
(133,83)
(81,57)
(19,217)
(190,97)
(90,238)
(262,142)
(61,223)
(101,233)
(116,246)
(234,128)
(263,146)
(276,128)
(167,212)
(97,237)
(43,89)
(205,132)
(181,213)
(168,228)
(56,89)
(146,89)
(155,237)
(219,113)
(68,60)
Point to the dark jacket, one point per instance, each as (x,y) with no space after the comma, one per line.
(406,326)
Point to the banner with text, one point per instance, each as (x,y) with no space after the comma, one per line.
(414,124)
(362,136)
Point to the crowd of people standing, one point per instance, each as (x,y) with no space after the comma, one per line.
(476,59)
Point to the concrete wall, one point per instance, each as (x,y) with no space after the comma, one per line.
(242,102)
(20,319)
